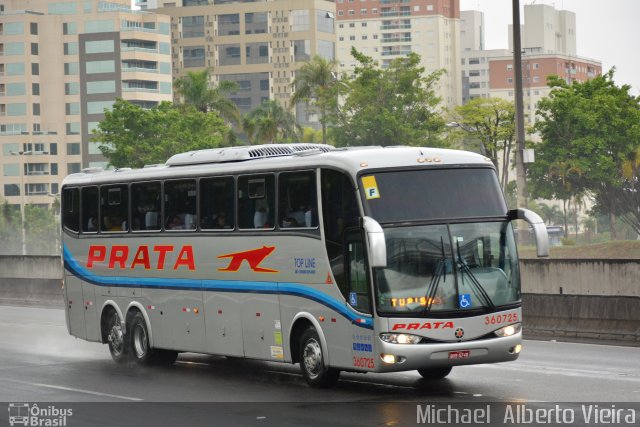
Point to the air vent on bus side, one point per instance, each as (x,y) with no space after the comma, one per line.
(235,154)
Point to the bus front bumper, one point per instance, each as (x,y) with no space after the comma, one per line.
(407,357)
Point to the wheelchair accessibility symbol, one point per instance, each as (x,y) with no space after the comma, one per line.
(464,300)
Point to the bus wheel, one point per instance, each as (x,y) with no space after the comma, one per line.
(117,343)
(434,373)
(312,362)
(140,347)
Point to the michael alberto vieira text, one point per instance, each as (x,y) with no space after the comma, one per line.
(521,414)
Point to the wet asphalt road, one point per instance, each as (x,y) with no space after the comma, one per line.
(40,362)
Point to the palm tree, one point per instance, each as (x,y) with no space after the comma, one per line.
(196,90)
(270,123)
(316,80)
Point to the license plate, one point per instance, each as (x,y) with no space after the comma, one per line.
(462,354)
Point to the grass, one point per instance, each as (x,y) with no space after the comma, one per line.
(624,249)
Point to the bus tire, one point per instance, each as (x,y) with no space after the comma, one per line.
(434,373)
(312,361)
(116,339)
(139,340)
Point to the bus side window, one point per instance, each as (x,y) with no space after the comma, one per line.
(114,208)
(180,205)
(145,206)
(71,208)
(298,205)
(217,204)
(339,211)
(90,204)
(359,290)
(256,202)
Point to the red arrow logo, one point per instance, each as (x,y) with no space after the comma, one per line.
(253,257)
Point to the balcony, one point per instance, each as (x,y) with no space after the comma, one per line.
(396,40)
(396,27)
(396,52)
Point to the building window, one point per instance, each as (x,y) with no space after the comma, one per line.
(194,56)
(509,66)
(36,109)
(34,28)
(510,80)
(73,168)
(99,46)
(69,28)
(73,148)
(35,69)
(71,48)
(34,48)
(35,88)
(71,69)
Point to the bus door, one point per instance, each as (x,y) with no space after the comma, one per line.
(359,300)
(90,312)
(75,306)
(261,329)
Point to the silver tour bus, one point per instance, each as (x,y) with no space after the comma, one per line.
(358,259)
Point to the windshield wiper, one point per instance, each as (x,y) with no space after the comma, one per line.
(435,280)
(478,288)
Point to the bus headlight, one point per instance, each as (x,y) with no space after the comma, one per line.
(400,338)
(509,330)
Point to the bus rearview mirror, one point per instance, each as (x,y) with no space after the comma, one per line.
(377,244)
(538,226)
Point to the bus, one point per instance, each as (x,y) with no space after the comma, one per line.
(364,259)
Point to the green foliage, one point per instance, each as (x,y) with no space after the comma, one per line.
(316,84)
(392,106)
(134,137)
(492,122)
(196,90)
(589,129)
(270,123)
(312,136)
(568,242)
(41,228)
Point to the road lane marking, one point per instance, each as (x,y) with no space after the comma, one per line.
(75,390)
(569,372)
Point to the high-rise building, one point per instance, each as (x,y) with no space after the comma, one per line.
(258,44)
(61,64)
(549,47)
(389,29)
(547,30)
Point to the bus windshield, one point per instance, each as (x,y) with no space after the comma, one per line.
(443,268)
(432,194)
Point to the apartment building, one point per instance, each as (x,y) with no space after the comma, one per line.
(258,44)
(549,47)
(536,67)
(61,64)
(388,29)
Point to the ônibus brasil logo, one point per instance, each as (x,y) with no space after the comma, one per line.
(26,414)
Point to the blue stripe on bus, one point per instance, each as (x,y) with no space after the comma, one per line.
(295,289)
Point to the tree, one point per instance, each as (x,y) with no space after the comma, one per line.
(134,137)
(41,230)
(392,106)
(270,123)
(550,213)
(492,121)
(317,84)
(196,90)
(594,126)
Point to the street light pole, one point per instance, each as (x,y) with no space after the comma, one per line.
(521,179)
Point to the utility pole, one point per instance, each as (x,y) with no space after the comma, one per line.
(521,178)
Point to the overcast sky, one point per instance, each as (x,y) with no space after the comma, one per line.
(607,30)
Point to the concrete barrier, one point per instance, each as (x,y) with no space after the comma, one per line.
(32,280)
(605,318)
